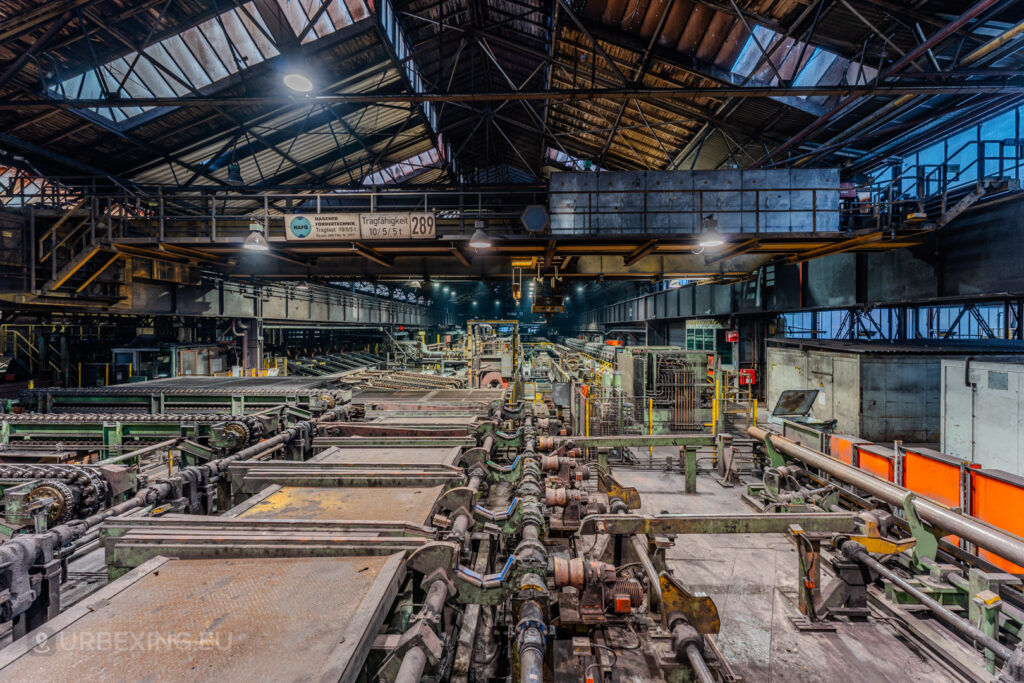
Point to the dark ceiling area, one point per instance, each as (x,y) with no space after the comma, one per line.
(495,92)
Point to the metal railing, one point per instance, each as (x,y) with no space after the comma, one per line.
(893,192)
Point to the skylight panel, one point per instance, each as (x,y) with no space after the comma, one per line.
(815,68)
(201,55)
(405,170)
(193,59)
(571,162)
(750,55)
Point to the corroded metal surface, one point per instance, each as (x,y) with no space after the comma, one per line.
(386,504)
(225,620)
(391,430)
(412,456)
(434,420)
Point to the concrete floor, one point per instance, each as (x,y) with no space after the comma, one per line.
(752,579)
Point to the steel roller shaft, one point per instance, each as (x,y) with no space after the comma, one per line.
(983,535)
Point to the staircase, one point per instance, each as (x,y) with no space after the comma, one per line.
(82,270)
(948,205)
(986,186)
(74,256)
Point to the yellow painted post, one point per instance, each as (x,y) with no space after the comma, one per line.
(715,408)
(650,429)
(129,371)
(106,379)
(586,424)
(79,374)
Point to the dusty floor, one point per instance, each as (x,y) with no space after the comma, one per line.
(752,579)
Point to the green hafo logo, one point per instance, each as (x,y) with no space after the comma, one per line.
(300,226)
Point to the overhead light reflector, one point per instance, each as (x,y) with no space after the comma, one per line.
(256,240)
(480,240)
(298,82)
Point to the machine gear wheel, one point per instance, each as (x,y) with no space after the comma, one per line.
(63,506)
(239,432)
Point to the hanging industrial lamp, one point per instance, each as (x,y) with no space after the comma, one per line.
(256,240)
(234,174)
(710,237)
(480,239)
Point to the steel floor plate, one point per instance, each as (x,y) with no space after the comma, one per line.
(386,504)
(389,455)
(224,620)
(460,420)
(436,395)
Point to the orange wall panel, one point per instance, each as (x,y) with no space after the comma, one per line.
(841,446)
(998,498)
(877,460)
(933,475)
(938,479)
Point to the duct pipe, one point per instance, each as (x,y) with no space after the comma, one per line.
(1005,545)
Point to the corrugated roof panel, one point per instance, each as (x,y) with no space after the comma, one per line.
(206,53)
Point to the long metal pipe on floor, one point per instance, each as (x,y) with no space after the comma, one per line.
(856,552)
(950,575)
(1005,545)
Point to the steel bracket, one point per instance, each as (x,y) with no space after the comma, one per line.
(629,495)
(927,544)
(775,458)
(488,589)
(698,608)
(507,521)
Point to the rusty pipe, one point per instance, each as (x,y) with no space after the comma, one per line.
(1005,545)
(561,497)
(413,664)
(461,524)
(414,661)
(700,667)
(640,546)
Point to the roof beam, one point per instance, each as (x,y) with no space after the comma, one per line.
(459,256)
(893,69)
(990,87)
(391,34)
(837,247)
(703,70)
(737,249)
(277,23)
(371,254)
(38,44)
(22,23)
(643,250)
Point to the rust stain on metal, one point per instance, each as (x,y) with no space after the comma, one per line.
(380,456)
(229,620)
(397,504)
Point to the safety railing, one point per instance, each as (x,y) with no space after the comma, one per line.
(894,192)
